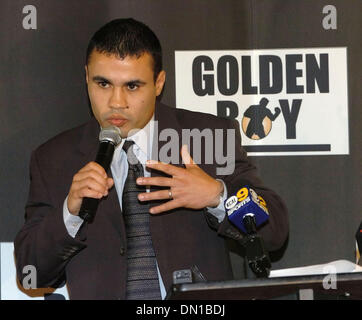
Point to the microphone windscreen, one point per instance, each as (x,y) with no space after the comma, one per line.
(110,134)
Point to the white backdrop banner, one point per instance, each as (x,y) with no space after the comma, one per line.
(288,101)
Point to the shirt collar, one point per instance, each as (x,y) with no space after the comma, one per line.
(143,138)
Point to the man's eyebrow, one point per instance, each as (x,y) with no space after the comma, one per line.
(100,79)
(135,82)
(131,82)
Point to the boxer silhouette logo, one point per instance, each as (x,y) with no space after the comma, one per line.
(257,120)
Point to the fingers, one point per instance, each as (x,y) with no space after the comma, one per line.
(164,167)
(170,169)
(160,195)
(95,167)
(89,182)
(110,183)
(186,157)
(155,195)
(155,181)
(169,205)
(86,193)
(90,175)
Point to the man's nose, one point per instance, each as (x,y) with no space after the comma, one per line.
(118,99)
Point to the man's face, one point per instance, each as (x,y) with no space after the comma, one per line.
(123,92)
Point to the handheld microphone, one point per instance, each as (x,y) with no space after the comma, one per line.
(109,138)
(246,210)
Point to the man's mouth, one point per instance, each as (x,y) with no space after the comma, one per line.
(117,121)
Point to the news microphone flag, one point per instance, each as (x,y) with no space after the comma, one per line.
(246,202)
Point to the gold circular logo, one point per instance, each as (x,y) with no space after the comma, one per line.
(266,128)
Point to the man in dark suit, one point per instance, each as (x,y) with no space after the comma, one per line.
(187,223)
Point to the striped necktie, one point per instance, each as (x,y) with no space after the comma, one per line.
(142,276)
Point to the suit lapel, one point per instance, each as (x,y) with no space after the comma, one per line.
(89,141)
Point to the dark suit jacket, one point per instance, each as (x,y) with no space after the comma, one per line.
(94,262)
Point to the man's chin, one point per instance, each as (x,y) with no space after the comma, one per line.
(129,132)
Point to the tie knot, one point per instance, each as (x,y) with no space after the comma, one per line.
(131,157)
(127,144)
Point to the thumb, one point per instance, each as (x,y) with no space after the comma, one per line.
(185,155)
(110,183)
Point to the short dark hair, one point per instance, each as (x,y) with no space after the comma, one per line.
(127,37)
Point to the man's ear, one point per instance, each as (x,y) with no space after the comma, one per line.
(160,81)
(86,73)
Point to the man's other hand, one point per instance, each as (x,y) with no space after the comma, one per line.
(189,187)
